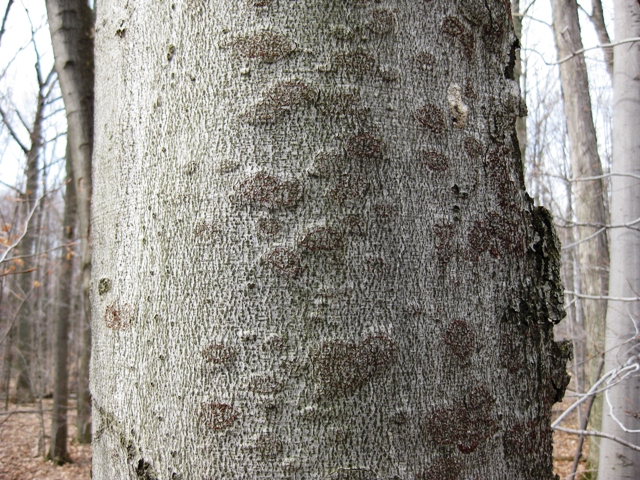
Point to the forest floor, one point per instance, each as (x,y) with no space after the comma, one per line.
(21,452)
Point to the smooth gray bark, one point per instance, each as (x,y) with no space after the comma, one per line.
(71,27)
(314,255)
(617,462)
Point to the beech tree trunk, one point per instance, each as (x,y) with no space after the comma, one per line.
(314,254)
(58,451)
(590,210)
(71,26)
(616,461)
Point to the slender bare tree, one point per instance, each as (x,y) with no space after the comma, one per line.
(71,26)
(621,417)
(589,203)
(58,451)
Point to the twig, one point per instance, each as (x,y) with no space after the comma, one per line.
(602,297)
(2,274)
(610,375)
(582,50)
(592,433)
(585,239)
(583,425)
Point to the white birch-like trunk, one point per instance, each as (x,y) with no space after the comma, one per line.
(314,255)
(616,461)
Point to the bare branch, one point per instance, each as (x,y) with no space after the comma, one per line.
(19,239)
(4,19)
(602,297)
(609,376)
(585,239)
(592,433)
(582,50)
(12,132)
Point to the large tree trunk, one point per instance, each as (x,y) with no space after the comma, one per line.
(314,255)
(617,462)
(593,254)
(71,26)
(58,452)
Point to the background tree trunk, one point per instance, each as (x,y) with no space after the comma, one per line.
(593,254)
(58,452)
(25,391)
(618,462)
(597,19)
(71,26)
(520,77)
(314,254)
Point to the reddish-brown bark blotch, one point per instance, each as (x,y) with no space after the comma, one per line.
(460,338)
(349,188)
(435,161)
(381,21)
(218,416)
(322,238)
(269,191)
(364,147)
(266,46)
(347,366)
(431,117)
(473,148)
(465,424)
(285,261)
(118,317)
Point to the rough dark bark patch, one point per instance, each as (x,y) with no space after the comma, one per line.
(285,261)
(322,238)
(269,191)
(466,424)
(266,46)
(219,353)
(435,161)
(218,416)
(460,338)
(345,366)
(431,117)
(104,286)
(118,317)
(365,146)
